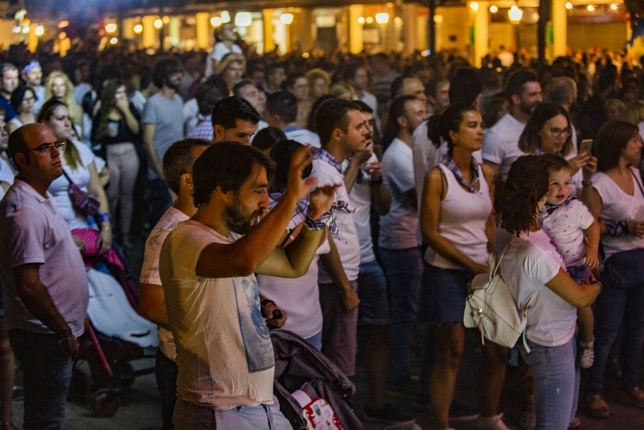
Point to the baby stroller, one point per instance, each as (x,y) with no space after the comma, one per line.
(117,335)
(306,382)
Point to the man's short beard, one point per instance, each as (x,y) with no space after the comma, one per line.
(237,221)
(168,83)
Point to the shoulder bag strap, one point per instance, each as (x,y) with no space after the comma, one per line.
(67,177)
(637,180)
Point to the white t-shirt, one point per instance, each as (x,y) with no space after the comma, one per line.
(426,156)
(190,115)
(218,52)
(302,135)
(6,174)
(619,206)
(399,227)
(530,262)
(501,143)
(59,188)
(463,218)
(360,197)
(150,269)
(224,352)
(300,297)
(565,225)
(350,251)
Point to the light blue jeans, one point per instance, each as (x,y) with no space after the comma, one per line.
(556,383)
(404,270)
(263,417)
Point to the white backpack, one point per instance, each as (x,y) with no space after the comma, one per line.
(491,308)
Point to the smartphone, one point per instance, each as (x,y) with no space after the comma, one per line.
(586,146)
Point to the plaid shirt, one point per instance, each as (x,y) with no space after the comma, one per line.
(275,194)
(323,155)
(203,130)
(451,165)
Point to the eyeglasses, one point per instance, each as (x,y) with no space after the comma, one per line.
(48,147)
(557,132)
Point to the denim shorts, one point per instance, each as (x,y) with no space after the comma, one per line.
(372,291)
(579,273)
(445,291)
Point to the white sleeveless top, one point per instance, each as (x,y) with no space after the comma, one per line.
(619,206)
(462,221)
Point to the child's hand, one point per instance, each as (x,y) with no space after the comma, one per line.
(592,259)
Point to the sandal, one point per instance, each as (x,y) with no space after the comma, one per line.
(574,424)
(597,407)
(635,397)
(587,354)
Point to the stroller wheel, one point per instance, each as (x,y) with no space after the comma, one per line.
(105,403)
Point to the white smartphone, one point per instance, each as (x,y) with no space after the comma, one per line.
(586,145)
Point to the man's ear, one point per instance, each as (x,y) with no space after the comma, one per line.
(218,131)
(20,159)
(516,100)
(337,134)
(186,181)
(402,121)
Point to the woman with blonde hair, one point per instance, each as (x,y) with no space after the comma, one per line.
(634,114)
(342,90)
(59,86)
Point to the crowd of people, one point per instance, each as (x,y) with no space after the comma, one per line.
(377,185)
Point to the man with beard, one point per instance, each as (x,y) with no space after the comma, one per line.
(501,143)
(8,83)
(162,121)
(401,257)
(224,353)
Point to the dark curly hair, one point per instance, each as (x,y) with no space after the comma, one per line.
(516,200)
(439,125)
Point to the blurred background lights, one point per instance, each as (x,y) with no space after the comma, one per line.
(474,6)
(215,21)
(382,18)
(225,17)
(110,27)
(494,9)
(114,41)
(591,8)
(158,23)
(361,20)
(568,5)
(39,30)
(138,29)
(286,18)
(243,19)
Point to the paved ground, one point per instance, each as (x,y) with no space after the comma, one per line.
(140,408)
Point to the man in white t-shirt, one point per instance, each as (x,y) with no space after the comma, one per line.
(225,37)
(501,142)
(343,132)
(207,265)
(281,112)
(399,250)
(177,168)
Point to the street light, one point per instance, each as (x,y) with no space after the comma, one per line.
(515,14)
(474,6)
(215,21)
(243,19)
(286,18)
(158,24)
(138,29)
(591,8)
(110,27)
(494,9)
(382,18)
(568,5)
(39,30)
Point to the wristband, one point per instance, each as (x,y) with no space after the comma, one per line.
(617,228)
(329,219)
(67,338)
(103,216)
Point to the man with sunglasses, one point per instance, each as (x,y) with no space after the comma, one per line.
(43,277)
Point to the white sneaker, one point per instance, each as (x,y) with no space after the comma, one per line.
(491,423)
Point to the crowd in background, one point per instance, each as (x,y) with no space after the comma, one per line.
(444,137)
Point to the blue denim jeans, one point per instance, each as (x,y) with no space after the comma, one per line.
(556,383)
(404,269)
(47,373)
(372,291)
(166,371)
(612,307)
(263,417)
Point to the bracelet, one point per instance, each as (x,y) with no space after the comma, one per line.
(314,224)
(103,216)
(263,303)
(67,338)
